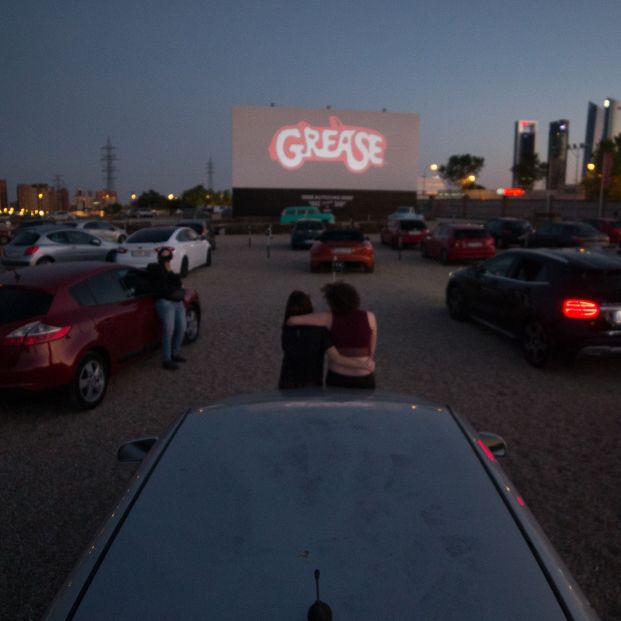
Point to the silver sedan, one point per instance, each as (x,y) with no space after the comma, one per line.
(103,229)
(48,244)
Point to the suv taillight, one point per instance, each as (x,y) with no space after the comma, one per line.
(34,333)
(580,309)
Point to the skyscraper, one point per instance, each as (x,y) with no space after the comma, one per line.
(557,154)
(603,123)
(612,118)
(524,143)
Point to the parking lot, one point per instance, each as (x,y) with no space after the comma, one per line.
(60,476)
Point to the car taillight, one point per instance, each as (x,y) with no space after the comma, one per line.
(30,250)
(36,332)
(580,309)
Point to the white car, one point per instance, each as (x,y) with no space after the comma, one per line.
(189,249)
(103,230)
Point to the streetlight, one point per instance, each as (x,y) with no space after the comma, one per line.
(133,197)
(432,168)
(40,198)
(171,197)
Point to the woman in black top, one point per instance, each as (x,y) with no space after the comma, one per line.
(304,348)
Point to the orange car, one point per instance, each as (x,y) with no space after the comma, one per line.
(341,247)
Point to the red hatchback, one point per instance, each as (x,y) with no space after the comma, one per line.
(341,247)
(459,242)
(73,324)
(404,232)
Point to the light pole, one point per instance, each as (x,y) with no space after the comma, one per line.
(429,167)
(575,149)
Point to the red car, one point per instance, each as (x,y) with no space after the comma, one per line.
(610,226)
(341,247)
(459,242)
(404,232)
(73,324)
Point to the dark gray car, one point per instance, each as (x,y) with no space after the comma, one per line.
(54,243)
(394,504)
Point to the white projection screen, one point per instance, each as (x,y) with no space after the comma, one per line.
(324,149)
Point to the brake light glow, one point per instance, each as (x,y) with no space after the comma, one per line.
(486,450)
(35,333)
(28,252)
(580,309)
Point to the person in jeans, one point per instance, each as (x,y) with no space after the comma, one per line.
(304,348)
(169,307)
(353,332)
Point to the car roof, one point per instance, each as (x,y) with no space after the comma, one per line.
(47,228)
(577,257)
(51,276)
(386,496)
(463,226)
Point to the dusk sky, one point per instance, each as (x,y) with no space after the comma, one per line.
(160,78)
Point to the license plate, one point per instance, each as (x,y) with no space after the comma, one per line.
(141,253)
(337,266)
(474,244)
(342,250)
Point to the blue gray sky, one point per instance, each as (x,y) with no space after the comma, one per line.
(160,78)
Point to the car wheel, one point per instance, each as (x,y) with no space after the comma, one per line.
(456,303)
(208,259)
(90,381)
(121,239)
(193,324)
(184,267)
(45,260)
(110,256)
(535,343)
(444,256)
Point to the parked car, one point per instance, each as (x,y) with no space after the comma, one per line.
(548,300)
(189,249)
(55,243)
(291,215)
(74,324)
(27,223)
(142,212)
(609,226)
(566,235)
(103,230)
(508,231)
(458,242)
(405,212)
(404,232)
(5,232)
(340,248)
(62,216)
(202,227)
(305,232)
(364,506)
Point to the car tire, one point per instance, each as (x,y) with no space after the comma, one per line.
(90,381)
(535,343)
(456,303)
(444,256)
(208,259)
(184,267)
(193,324)
(111,256)
(45,261)
(121,239)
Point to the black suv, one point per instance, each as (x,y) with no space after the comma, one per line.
(305,232)
(566,235)
(508,231)
(549,300)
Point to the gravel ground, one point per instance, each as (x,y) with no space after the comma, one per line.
(58,470)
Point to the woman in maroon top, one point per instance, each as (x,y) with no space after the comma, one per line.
(353,332)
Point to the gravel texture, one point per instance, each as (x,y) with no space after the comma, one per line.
(58,470)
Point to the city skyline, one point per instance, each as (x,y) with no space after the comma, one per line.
(161,82)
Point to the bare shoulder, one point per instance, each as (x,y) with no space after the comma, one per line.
(372,319)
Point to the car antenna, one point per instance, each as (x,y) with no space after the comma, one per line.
(319,611)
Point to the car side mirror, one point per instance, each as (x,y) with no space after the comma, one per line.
(496,445)
(135,450)
(96,242)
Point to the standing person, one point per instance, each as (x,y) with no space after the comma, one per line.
(169,307)
(304,348)
(353,332)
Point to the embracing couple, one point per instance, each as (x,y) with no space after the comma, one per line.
(347,334)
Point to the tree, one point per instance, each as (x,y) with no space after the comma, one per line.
(462,170)
(528,170)
(198,196)
(152,199)
(609,150)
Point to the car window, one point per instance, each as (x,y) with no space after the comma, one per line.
(413,225)
(532,270)
(184,235)
(341,235)
(469,233)
(500,265)
(151,236)
(135,282)
(59,237)
(583,229)
(105,288)
(26,238)
(78,237)
(597,281)
(91,225)
(546,228)
(18,304)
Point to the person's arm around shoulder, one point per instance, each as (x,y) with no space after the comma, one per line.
(321,320)
(373,325)
(366,362)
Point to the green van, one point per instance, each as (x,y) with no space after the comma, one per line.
(291,215)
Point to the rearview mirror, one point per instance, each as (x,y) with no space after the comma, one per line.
(95,241)
(494,443)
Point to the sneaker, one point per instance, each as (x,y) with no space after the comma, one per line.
(170,365)
(177,358)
